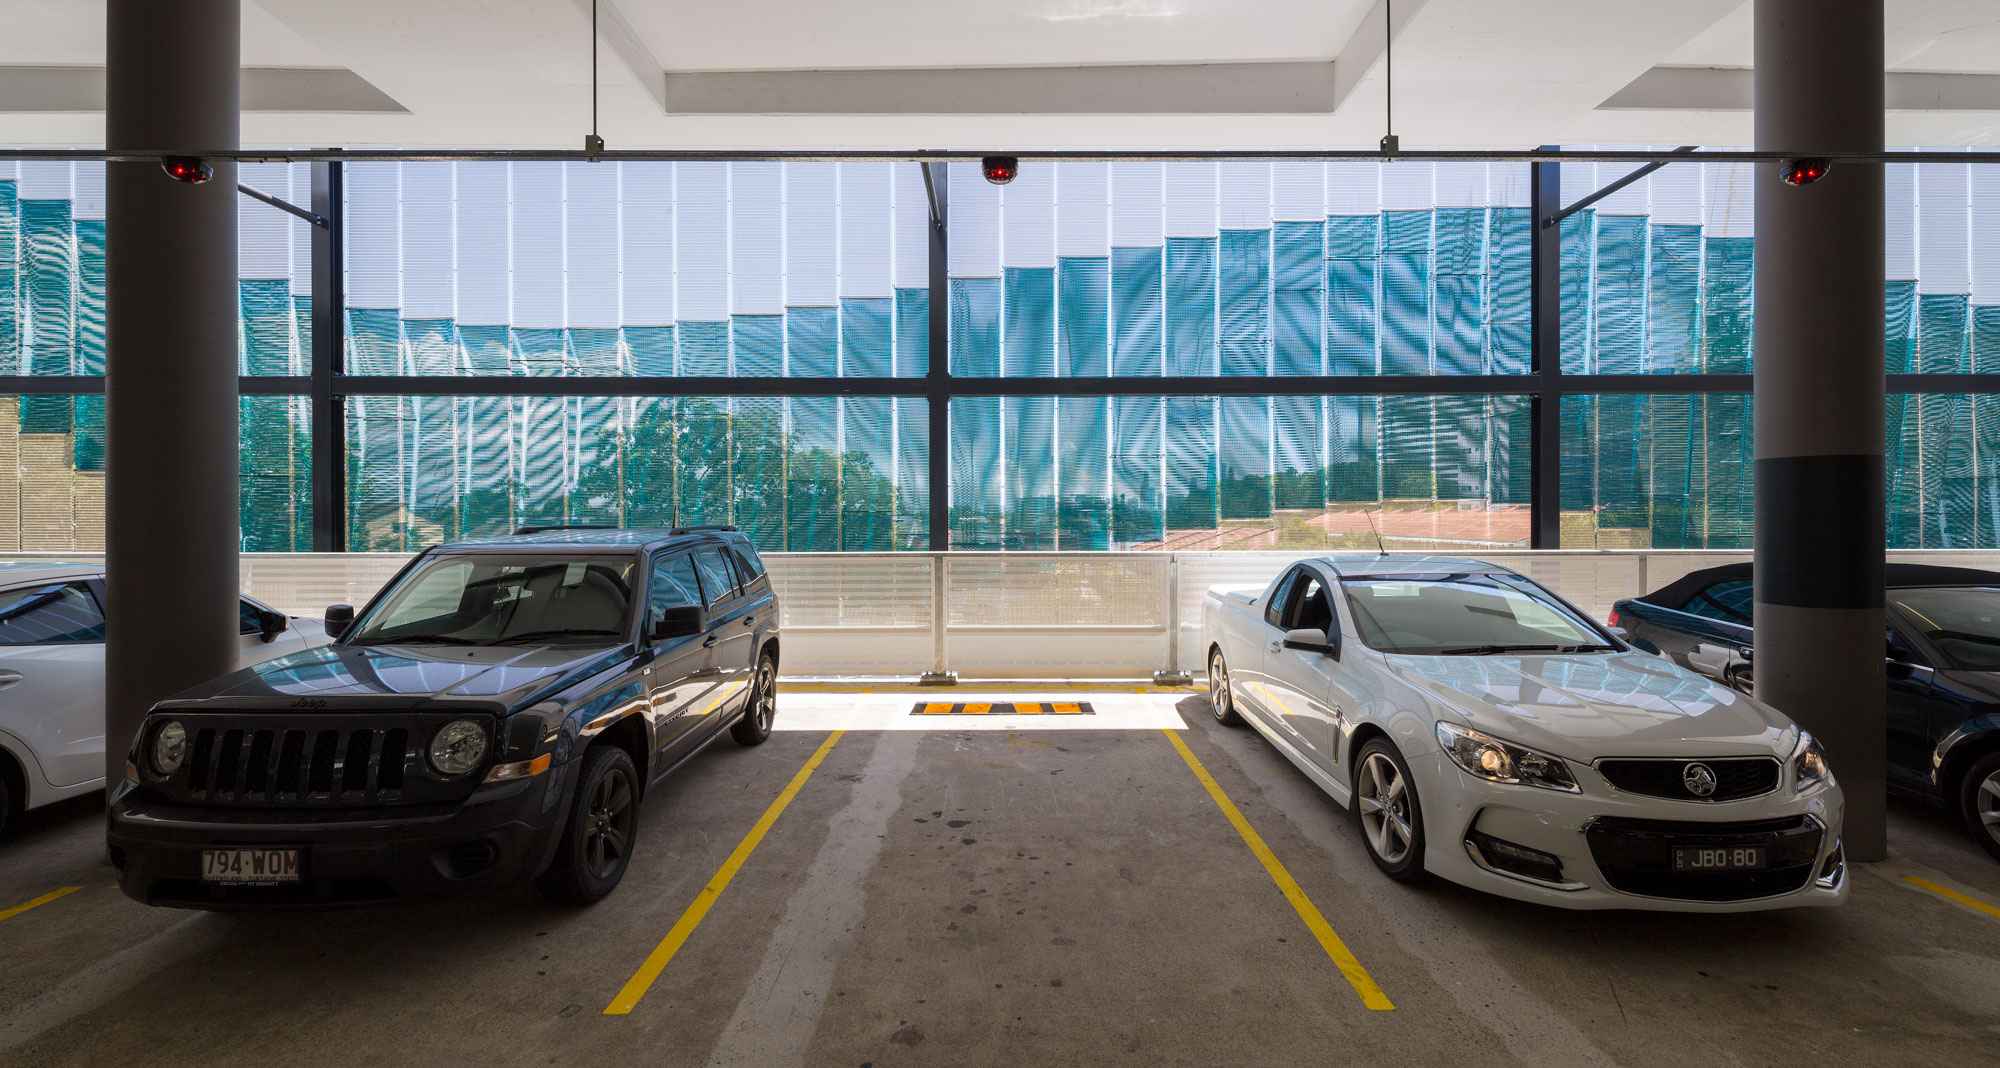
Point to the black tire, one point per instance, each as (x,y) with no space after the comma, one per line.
(1979,801)
(6,799)
(754,725)
(1397,813)
(1220,698)
(602,828)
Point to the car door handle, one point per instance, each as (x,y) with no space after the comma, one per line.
(749,621)
(710,643)
(1276,645)
(8,678)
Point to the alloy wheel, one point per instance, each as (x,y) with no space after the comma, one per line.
(1383,795)
(1218,688)
(1986,804)
(608,830)
(765,695)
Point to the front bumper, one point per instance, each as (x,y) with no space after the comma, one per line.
(1615,848)
(503,834)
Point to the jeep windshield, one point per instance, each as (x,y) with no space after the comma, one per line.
(502,599)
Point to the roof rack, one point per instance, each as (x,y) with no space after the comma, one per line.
(706,526)
(518,531)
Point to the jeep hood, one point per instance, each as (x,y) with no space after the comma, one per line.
(509,675)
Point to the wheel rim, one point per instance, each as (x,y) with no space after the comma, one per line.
(766,696)
(1986,804)
(608,825)
(1384,797)
(1218,687)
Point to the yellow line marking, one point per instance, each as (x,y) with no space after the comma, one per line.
(1067,709)
(1922,884)
(936,708)
(656,962)
(42,900)
(1357,976)
(977,709)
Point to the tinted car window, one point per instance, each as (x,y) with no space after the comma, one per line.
(1311,610)
(748,565)
(57,613)
(1727,601)
(1963,625)
(1280,597)
(674,585)
(717,581)
(249,618)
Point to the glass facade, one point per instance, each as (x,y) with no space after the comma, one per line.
(1186,271)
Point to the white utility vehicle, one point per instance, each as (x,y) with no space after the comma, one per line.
(52,677)
(1482,729)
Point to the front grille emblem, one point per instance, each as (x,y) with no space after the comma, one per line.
(1699,779)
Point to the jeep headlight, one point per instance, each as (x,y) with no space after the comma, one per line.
(1497,761)
(1809,767)
(458,747)
(170,746)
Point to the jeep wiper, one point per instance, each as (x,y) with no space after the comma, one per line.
(417,639)
(538,634)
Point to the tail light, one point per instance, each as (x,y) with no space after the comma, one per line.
(1612,619)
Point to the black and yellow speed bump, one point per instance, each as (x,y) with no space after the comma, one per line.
(1014,708)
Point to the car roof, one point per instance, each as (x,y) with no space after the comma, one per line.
(587,538)
(19,571)
(1370,565)
(1894,576)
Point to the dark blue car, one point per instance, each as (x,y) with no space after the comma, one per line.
(1942,655)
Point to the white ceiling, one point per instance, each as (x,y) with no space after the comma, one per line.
(999,74)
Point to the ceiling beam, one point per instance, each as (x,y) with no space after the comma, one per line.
(31,90)
(1368,45)
(617,33)
(1730,89)
(1169,89)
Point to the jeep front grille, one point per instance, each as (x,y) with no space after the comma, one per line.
(269,760)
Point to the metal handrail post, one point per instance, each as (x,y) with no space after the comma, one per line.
(940,673)
(1172,675)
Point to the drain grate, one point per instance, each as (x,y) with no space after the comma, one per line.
(1016,708)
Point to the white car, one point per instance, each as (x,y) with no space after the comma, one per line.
(52,677)
(1485,731)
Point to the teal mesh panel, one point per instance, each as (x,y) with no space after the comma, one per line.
(265,310)
(1083,344)
(10,278)
(975,327)
(867,343)
(1191,502)
(1458,311)
(1353,449)
(1298,298)
(977,486)
(1028,335)
(1406,292)
(1137,471)
(1353,267)
(1579,268)
(1899,326)
(374,341)
(1618,306)
(487,349)
(594,351)
(48,245)
(1621,461)
(757,459)
(275,474)
(1243,457)
(913,332)
(1409,461)
(1676,485)
(1298,442)
(1190,306)
(1028,437)
(650,349)
(1509,243)
(812,338)
(540,351)
(812,475)
(702,471)
(1673,342)
(867,475)
(1579,454)
(90,296)
(87,451)
(46,413)
(431,346)
(1137,334)
(702,349)
(1244,302)
(1083,472)
(758,344)
(1942,332)
(913,489)
(1726,293)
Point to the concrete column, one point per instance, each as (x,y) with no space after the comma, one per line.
(171,530)
(1819,399)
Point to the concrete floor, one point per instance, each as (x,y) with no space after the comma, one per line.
(1017,891)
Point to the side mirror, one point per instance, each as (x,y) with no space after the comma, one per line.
(1620,633)
(272,624)
(679,622)
(338,618)
(1308,639)
(1895,648)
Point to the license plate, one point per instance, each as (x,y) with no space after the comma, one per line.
(250,867)
(1719,858)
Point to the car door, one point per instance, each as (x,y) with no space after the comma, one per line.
(1302,682)
(52,676)
(1710,633)
(1246,652)
(679,671)
(730,641)
(1915,706)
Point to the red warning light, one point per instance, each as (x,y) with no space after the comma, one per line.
(190,169)
(1804,170)
(1000,169)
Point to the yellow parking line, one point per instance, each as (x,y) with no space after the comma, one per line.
(42,900)
(656,962)
(1923,884)
(1357,976)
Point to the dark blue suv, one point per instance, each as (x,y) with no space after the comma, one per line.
(496,713)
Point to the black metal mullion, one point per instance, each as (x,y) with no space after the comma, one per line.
(329,330)
(937,377)
(1545,357)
